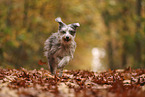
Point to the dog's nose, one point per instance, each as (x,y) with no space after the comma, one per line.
(67,37)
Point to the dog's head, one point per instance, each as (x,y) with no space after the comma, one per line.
(67,32)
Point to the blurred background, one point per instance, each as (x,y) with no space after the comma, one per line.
(111,35)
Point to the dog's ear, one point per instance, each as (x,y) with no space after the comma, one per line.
(58,19)
(75,25)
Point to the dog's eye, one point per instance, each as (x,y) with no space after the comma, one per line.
(63,32)
(72,32)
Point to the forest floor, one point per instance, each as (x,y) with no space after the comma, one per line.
(74,83)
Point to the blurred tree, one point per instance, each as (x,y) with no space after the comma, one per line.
(109,48)
(122,14)
(114,25)
(138,46)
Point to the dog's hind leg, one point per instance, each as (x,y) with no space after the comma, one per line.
(53,66)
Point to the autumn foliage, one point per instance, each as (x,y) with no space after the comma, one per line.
(73,83)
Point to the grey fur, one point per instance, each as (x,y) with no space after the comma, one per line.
(60,46)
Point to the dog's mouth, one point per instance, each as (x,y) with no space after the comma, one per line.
(67,39)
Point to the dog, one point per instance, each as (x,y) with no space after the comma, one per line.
(59,48)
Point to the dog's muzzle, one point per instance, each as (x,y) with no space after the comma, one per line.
(67,38)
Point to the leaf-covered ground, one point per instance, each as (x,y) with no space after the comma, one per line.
(73,83)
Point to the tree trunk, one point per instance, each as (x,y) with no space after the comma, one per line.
(25,13)
(124,54)
(125,47)
(1,56)
(109,47)
(110,54)
(8,21)
(138,47)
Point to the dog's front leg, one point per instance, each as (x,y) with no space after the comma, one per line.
(64,61)
(60,72)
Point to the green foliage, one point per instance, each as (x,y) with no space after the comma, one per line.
(26,24)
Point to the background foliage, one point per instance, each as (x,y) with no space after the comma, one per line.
(115,25)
